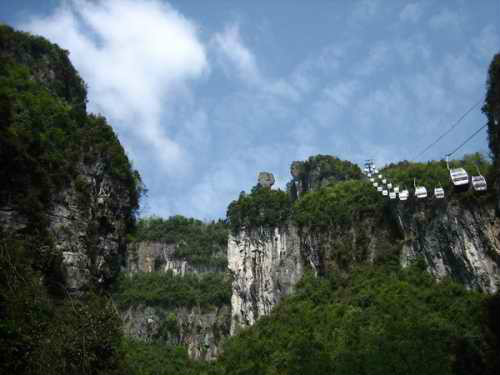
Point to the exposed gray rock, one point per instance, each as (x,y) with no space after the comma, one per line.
(155,256)
(463,243)
(456,241)
(265,266)
(265,179)
(201,332)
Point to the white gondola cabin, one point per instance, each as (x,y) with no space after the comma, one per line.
(396,189)
(392,195)
(420,191)
(379,188)
(372,179)
(479,182)
(385,192)
(380,176)
(384,181)
(389,186)
(375,184)
(438,193)
(459,177)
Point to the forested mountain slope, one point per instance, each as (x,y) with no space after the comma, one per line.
(68,198)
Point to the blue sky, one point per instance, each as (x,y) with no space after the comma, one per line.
(205,94)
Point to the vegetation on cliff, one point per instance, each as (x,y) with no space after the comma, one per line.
(46,139)
(491,109)
(196,242)
(375,320)
(169,291)
(345,202)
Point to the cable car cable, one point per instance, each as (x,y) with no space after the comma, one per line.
(467,140)
(450,129)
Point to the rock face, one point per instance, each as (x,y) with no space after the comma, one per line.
(156,256)
(65,192)
(455,241)
(201,332)
(265,179)
(265,266)
(319,171)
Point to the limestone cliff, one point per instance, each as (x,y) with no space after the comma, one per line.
(67,187)
(157,256)
(201,331)
(456,237)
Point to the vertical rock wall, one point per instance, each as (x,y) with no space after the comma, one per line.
(200,331)
(265,265)
(455,241)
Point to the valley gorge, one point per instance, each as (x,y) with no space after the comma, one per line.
(326,276)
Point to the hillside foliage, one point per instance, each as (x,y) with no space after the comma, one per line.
(169,291)
(46,137)
(197,242)
(372,321)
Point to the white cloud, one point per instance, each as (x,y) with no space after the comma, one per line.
(232,47)
(411,13)
(235,55)
(136,58)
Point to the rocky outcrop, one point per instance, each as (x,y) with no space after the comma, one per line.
(157,256)
(455,241)
(265,179)
(265,265)
(319,171)
(202,332)
(87,222)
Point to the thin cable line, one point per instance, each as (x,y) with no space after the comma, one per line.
(450,129)
(467,140)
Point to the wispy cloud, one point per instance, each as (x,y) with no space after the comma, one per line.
(234,55)
(137,59)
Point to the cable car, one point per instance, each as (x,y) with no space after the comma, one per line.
(389,186)
(459,176)
(438,192)
(380,176)
(404,195)
(420,191)
(379,188)
(375,184)
(369,174)
(392,195)
(384,181)
(479,182)
(385,192)
(366,170)
(375,170)
(396,189)
(372,179)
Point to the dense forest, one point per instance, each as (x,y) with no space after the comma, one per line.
(371,318)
